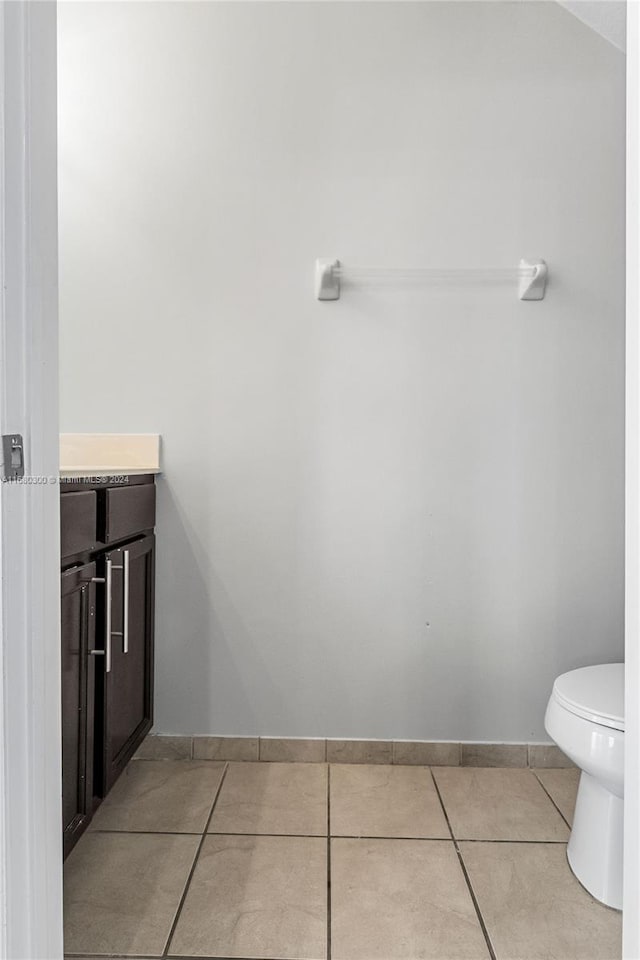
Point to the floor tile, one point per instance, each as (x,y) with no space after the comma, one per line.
(256,897)
(493,754)
(533,906)
(498,804)
(548,755)
(562,786)
(293,750)
(401,900)
(165,748)
(385,801)
(360,751)
(122,891)
(281,798)
(225,748)
(161,796)
(439,754)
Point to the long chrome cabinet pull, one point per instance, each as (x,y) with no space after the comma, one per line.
(107,628)
(125,628)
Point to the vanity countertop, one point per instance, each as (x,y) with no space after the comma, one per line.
(109,454)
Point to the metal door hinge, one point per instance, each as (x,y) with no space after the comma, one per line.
(12,456)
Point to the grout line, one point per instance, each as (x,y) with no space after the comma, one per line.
(560,843)
(147,833)
(475,903)
(288,836)
(465,874)
(310,836)
(168,956)
(328,862)
(193,865)
(340,836)
(127,956)
(160,760)
(363,836)
(552,800)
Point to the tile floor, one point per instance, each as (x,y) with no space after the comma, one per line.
(303,861)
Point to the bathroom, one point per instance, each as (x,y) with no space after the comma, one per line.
(384,523)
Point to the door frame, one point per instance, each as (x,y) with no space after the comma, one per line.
(30,737)
(631,892)
(30,777)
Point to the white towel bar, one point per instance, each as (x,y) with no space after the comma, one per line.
(530,276)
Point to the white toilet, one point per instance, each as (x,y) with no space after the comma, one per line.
(585,717)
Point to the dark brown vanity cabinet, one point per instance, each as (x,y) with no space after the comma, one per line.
(107,606)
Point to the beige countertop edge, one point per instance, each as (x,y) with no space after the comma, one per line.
(106,471)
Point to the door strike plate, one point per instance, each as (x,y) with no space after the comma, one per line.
(12,456)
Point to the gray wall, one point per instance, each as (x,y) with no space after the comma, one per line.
(399,515)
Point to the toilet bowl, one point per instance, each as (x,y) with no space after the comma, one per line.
(585,717)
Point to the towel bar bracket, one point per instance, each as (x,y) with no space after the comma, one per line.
(533,288)
(327,280)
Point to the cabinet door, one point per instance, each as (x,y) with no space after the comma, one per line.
(128,677)
(77,634)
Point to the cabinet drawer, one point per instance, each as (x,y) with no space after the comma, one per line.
(129,510)
(78,522)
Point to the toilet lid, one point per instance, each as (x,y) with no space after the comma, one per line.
(594,693)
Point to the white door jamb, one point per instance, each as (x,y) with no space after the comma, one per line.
(30,737)
(631,894)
